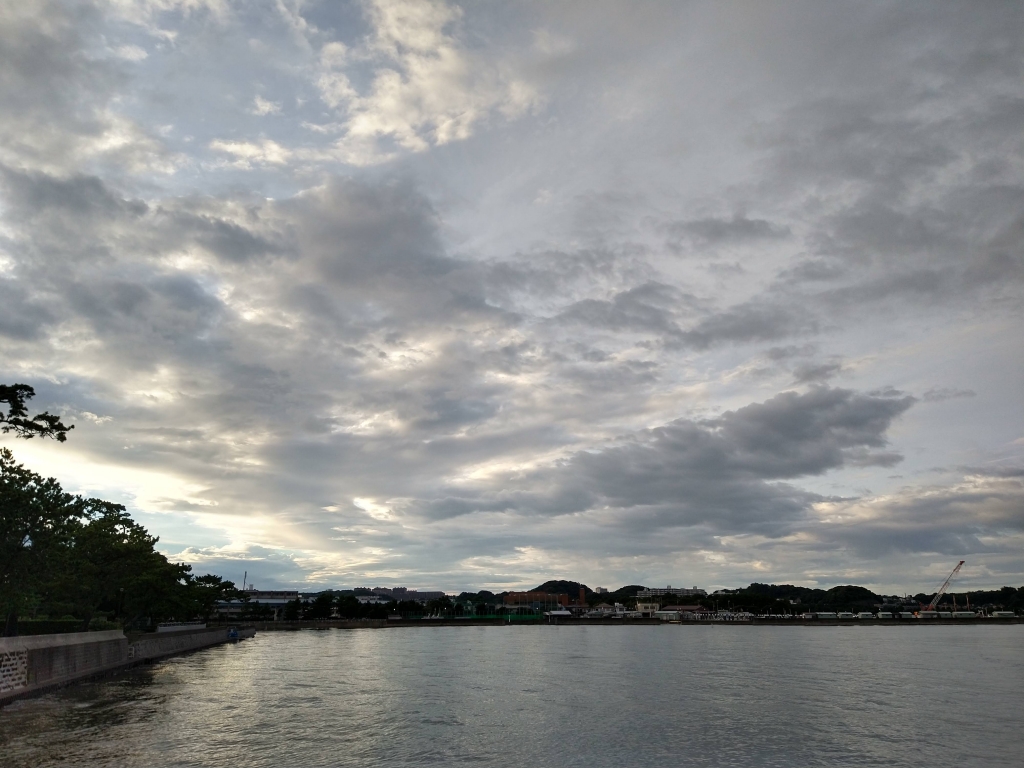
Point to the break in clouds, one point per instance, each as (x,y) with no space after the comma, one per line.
(475,296)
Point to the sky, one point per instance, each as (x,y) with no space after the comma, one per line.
(473,296)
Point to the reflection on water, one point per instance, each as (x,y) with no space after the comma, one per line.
(549,696)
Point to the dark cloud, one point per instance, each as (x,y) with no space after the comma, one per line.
(78,196)
(723,472)
(816,372)
(938,394)
(651,308)
(813,270)
(720,231)
(20,317)
(737,228)
(224,238)
(752,321)
(979,516)
(790,351)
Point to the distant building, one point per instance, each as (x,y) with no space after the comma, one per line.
(403,593)
(670,590)
(537,599)
(683,608)
(600,590)
(647,610)
(275,599)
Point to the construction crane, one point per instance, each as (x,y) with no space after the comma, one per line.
(944,587)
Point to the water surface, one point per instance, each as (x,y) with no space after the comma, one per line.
(549,696)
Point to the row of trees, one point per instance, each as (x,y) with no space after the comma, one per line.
(65,555)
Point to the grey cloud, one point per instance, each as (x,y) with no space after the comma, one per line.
(21,318)
(55,89)
(354,234)
(573,275)
(652,307)
(225,238)
(751,321)
(959,520)
(357,231)
(816,372)
(725,472)
(720,231)
(938,394)
(661,311)
(792,350)
(813,270)
(170,307)
(430,345)
(80,196)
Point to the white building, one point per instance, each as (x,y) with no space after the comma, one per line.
(669,590)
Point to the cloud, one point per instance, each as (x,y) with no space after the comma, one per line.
(21,318)
(426,89)
(738,229)
(725,472)
(408,369)
(250,153)
(816,372)
(751,321)
(938,394)
(55,95)
(651,307)
(980,515)
(261,106)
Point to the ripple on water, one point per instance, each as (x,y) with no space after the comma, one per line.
(540,696)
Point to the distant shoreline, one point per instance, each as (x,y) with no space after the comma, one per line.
(293,626)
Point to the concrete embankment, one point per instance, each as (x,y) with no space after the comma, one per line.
(36,663)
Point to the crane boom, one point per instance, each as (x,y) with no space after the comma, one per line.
(944,587)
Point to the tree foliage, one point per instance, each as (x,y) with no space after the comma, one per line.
(62,554)
(15,419)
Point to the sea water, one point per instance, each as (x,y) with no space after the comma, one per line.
(671,695)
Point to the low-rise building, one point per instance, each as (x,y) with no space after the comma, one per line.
(400,594)
(536,599)
(670,590)
(682,610)
(275,599)
(647,610)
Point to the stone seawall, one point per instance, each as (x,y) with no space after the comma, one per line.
(155,646)
(36,663)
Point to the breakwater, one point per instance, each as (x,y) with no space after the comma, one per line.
(36,663)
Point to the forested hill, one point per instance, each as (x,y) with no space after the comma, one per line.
(572,588)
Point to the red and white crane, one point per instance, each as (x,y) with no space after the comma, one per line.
(944,587)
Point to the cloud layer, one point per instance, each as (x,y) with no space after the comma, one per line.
(458,296)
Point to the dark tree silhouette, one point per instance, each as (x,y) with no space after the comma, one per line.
(16,418)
